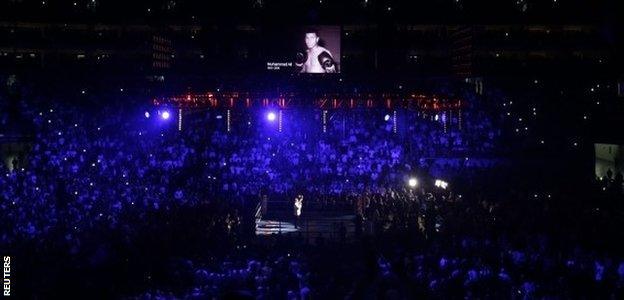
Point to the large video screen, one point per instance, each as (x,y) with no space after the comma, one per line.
(306,50)
(609,159)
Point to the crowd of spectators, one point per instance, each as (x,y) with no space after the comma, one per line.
(105,184)
(98,162)
(435,245)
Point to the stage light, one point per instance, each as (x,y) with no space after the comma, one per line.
(228,121)
(147,114)
(271,116)
(386,118)
(165,115)
(180,119)
(412,182)
(441,184)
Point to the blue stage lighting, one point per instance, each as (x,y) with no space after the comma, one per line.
(165,115)
(271,116)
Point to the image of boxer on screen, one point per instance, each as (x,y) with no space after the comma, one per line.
(316,58)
